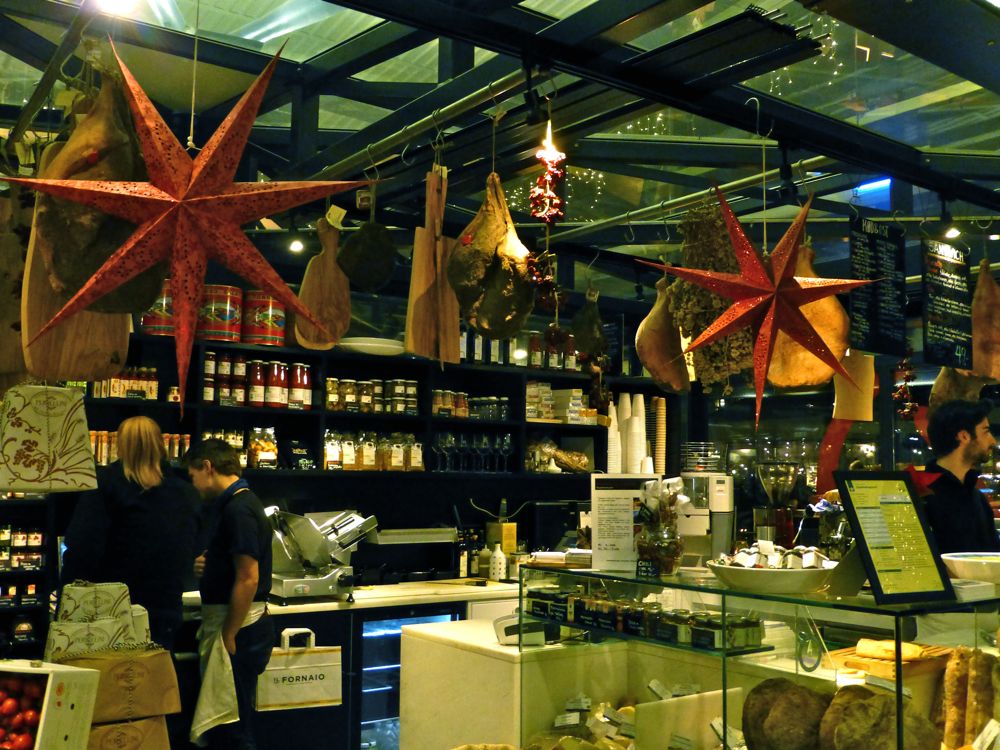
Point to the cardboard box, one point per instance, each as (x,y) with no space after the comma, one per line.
(133,684)
(145,734)
(503,533)
(67,705)
(67,640)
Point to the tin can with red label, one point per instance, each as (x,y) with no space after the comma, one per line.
(159,319)
(263,319)
(220,314)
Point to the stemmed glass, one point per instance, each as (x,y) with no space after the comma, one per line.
(464,453)
(505,445)
(484,449)
(444,446)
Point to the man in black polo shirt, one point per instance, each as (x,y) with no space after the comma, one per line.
(235,574)
(957,511)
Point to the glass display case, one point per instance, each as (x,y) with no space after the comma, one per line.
(658,662)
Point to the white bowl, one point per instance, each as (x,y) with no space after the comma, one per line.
(365,345)
(771,580)
(975,566)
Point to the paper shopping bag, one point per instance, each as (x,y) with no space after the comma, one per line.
(306,677)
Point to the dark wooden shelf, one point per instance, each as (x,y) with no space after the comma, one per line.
(470,422)
(256,410)
(22,573)
(23,502)
(135,402)
(563,426)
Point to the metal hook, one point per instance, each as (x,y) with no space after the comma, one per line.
(756,101)
(374,166)
(402,155)
(896,221)
(980,226)
(629,231)
(920,226)
(853,203)
(666,227)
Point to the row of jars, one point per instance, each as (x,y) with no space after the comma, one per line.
(104,446)
(232,380)
(133,382)
(459,404)
(372,396)
(370,451)
(527,349)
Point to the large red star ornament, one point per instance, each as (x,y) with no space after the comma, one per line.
(188,212)
(766,298)
(922,480)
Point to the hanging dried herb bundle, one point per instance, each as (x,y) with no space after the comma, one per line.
(706,247)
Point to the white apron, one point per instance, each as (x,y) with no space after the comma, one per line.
(217,697)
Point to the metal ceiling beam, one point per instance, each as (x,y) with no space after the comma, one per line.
(23,44)
(959,35)
(387,95)
(149,36)
(727,104)
(640,172)
(367,49)
(676,151)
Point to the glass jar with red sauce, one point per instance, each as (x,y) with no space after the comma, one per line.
(300,383)
(256,383)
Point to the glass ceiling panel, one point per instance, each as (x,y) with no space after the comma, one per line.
(309,26)
(418,65)
(17,80)
(558,9)
(335,113)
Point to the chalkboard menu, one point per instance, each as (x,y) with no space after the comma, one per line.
(878,311)
(947,306)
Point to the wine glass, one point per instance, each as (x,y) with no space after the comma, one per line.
(464,453)
(445,443)
(506,447)
(483,448)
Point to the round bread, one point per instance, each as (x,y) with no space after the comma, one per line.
(835,713)
(757,706)
(794,719)
(871,723)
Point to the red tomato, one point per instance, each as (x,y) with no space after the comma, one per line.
(31,717)
(3,733)
(17,722)
(26,703)
(8,707)
(34,689)
(22,742)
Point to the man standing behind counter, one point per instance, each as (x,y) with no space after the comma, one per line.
(235,579)
(958,513)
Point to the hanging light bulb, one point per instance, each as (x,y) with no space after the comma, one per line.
(296,246)
(951,230)
(546,205)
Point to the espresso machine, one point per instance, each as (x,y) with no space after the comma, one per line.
(312,553)
(706,517)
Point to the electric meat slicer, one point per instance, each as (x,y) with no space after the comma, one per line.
(312,553)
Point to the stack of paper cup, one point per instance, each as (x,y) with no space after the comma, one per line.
(624,414)
(614,444)
(639,414)
(636,444)
(660,436)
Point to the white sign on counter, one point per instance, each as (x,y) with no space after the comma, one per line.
(613,501)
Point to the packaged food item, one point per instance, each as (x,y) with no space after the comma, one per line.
(366,393)
(300,386)
(333,402)
(256,383)
(414,454)
(349,396)
(276,387)
(348,452)
(263,449)
(332,459)
(298,456)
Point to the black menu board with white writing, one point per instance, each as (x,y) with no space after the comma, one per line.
(947,305)
(878,311)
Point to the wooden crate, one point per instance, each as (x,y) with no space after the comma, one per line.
(935,659)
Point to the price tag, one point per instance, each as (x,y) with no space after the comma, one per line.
(579,703)
(685,688)
(987,739)
(570,719)
(335,216)
(660,690)
(613,716)
(680,742)
(734,737)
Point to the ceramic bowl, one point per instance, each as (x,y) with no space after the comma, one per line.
(771,580)
(975,566)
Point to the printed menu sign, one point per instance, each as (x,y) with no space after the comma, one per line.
(947,306)
(613,500)
(878,311)
(900,559)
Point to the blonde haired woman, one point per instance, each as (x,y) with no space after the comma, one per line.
(138,527)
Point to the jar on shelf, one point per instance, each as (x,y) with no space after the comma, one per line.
(263,449)
(276,388)
(410,407)
(224,365)
(208,389)
(378,405)
(300,385)
(461,408)
(223,390)
(398,405)
(209,366)
(238,391)
(366,392)
(397,388)
(239,367)
(553,355)
(349,396)
(569,353)
(378,389)
(332,394)
(437,397)
(536,350)
(411,388)
(256,383)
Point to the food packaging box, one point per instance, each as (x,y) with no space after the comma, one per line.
(82,601)
(145,734)
(67,640)
(140,624)
(66,705)
(133,684)
(504,533)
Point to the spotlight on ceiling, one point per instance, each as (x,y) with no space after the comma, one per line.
(296,246)
(950,228)
(116,7)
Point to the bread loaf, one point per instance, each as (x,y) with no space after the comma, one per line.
(835,713)
(979,699)
(781,715)
(871,725)
(870,649)
(956,689)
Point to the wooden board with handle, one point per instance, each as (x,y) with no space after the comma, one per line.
(11,280)
(326,291)
(934,660)
(86,346)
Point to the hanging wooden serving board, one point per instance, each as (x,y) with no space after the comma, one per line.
(11,275)
(447,303)
(326,291)
(87,346)
(935,659)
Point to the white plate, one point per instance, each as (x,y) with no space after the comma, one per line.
(382,347)
(771,580)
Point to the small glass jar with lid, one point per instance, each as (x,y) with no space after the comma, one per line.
(410,408)
(333,402)
(536,350)
(349,395)
(366,392)
(461,409)
(378,405)
(436,399)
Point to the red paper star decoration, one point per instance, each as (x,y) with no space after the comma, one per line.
(188,212)
(922,480)
(766,298)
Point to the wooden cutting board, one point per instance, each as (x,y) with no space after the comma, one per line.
(86,346)
(935,659)
(326,291)
(11,276)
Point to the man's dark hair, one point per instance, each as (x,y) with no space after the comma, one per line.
(219,453)
(951,418)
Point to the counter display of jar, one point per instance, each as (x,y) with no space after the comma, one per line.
(370,451)
(350,396)
(21,548)
(460,405)
(232,380)
(132,382)
(527,349)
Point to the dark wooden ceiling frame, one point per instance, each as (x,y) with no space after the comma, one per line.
(726,104)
